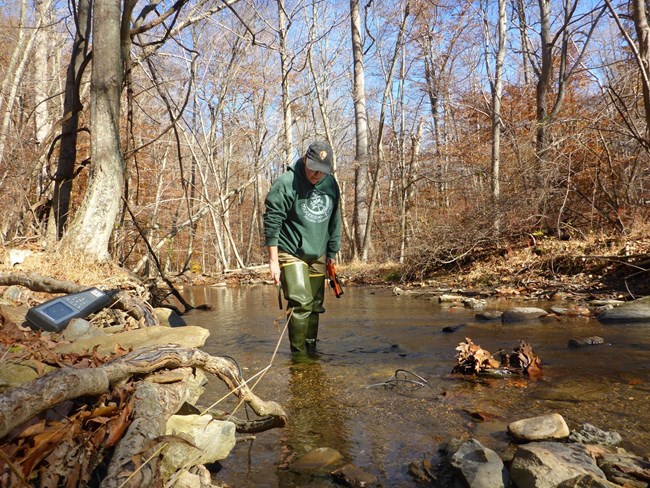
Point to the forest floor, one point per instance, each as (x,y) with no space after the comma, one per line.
(598,267)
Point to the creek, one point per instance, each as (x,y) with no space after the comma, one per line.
(343,400)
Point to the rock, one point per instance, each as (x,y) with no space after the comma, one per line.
(14,314)
(80,329)
(185,479)
(479,467)
(452,328)
(634,311)
(15,293)
(474,303)
(625,469)
(489,315)
(590,434)
(397,291)
(587,341)
(18,256)
(547,464)
(572,311)
(587,481)
(212,440)
(449,298)
(16,373)
(315,460)
(520,314)
(544,427)
(188,336)
(167,317)
(352,476)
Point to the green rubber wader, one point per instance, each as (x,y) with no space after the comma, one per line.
(317,283)
(297,290)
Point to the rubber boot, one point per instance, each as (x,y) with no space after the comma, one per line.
(297,291)
(318,290)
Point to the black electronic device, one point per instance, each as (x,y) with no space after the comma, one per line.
(55,314)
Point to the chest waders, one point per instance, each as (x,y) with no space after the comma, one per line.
(303,284)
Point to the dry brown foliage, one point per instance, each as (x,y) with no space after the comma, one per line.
(473,359)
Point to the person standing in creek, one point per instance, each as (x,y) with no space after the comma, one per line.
(302,229)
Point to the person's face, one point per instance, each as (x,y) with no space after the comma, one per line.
(313,176)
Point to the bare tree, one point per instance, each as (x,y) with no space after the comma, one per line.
(361,195)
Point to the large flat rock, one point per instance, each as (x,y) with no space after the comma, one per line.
(188,336)
(635,311)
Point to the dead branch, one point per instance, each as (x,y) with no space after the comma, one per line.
(24,402)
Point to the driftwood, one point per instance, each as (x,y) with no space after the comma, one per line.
(138,441)
(122,299)
(26,401)
(153,405)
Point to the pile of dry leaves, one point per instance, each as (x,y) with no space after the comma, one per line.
(66,445)
(473,359)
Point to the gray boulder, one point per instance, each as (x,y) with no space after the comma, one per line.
(548,464)
(634,311)
(478,466)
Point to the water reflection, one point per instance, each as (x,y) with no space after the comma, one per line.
(368,334)
(317,420)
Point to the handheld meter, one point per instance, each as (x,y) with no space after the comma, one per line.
(54,315)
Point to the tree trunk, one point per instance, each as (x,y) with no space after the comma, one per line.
(91,229)
(71,108)
(360,221)
(643,38)
(284,67)
(497,90)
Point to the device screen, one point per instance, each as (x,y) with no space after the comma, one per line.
(58,310)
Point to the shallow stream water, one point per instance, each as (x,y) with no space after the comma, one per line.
(342,401)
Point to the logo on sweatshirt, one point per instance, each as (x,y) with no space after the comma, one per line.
(317,207)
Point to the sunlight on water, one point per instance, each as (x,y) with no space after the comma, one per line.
(368,334)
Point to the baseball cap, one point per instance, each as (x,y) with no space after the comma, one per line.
(319,157)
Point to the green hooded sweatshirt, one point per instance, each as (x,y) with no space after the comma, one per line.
(303,219)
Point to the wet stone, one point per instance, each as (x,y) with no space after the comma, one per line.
(586,341)
(521,314)
(489,315)
(354,477)
(544,427)
(315,460)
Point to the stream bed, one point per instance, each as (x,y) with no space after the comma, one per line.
(345,400)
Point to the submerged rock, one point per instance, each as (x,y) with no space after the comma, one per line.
(544,427)
(587,341)
(354,477)
(315,460)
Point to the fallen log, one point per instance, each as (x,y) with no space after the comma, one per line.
(24,402)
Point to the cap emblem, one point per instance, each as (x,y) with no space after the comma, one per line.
(322,155)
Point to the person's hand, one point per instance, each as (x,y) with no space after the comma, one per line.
(274,266)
